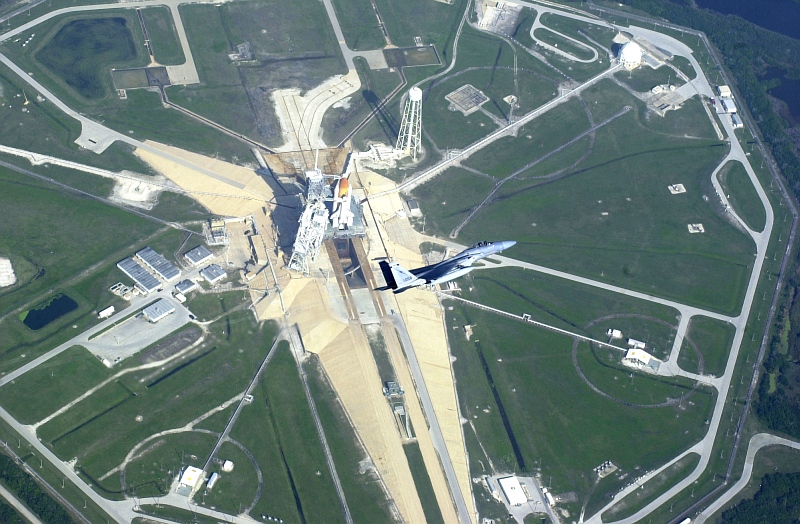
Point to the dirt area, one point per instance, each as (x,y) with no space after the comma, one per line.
(174,344)
(7,276)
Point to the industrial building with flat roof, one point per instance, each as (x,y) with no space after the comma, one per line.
(144,280)
(199,255)
(213,273)
(513,491)
(157,263)
(185,286)
(158,310)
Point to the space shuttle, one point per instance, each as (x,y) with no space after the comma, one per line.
(342,216)
(399,279)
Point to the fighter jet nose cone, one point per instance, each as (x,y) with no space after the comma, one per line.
(507,244)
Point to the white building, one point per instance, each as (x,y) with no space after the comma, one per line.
(637,358)
(614,333)
(213,273)
(736,122)
(630,55)
(158,310)
(724,91)
(107,312)
(727,105)
(212,480)
(636,344)
(513,491)
(190,477)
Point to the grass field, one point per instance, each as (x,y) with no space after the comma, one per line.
(580,30)
(742,195)
(71,242)
(212,305)
(82,51)
(237,489)
(625,175)
(163,36)
(50,386)
(566,304)
(359,24)
(434,22)
(220,368)
(278,429)
(554,423)
(430,507)
(651,489)
(643,79)
(162,459)
(713,339)
(564,44)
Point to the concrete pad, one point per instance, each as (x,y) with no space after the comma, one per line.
(365,306)
(375,59)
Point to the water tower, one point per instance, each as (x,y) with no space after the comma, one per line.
(409,140)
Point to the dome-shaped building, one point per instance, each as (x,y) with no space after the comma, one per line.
(630,55)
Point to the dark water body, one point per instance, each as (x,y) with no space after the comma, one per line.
(788,91)
(59,306)
(781,16)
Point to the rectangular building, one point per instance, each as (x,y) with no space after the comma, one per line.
(199,255)
(513,491)
(146,282)
(736,121)
(727,105)
(158,310)
(213,273)
(185,286)
(158,264)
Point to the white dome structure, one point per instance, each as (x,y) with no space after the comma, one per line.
(630,56)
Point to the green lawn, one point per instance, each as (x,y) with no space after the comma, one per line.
(422,481)
(564,44)
(611,217)
(71,241)
(52,385)
(359,24)
(713,339)
(645,78)
(211,305)
(234,490)
(163,36)
(559,425)
(278,429)
(161,460)
(742,195)
(100,434)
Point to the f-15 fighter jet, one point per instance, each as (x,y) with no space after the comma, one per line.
(400,279)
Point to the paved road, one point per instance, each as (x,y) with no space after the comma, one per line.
(757,442)
(21,508)
(430,414)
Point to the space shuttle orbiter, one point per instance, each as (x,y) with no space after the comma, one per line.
(342,216)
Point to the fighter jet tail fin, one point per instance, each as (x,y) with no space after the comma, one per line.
(397,277)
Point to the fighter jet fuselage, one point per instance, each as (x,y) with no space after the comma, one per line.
(399,279)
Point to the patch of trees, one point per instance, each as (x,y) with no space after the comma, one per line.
(29,492)
(775,503)
(9,515)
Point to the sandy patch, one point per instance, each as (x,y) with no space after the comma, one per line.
(7,276)
(223,188)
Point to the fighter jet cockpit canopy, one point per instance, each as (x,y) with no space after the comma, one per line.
(483,243)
